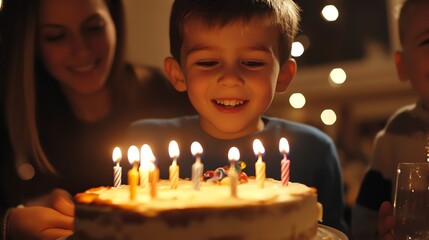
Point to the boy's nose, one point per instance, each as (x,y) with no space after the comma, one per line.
(231,78)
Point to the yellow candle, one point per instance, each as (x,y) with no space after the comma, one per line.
(173,149)
(260,167)
(154,179)
(233,156)
(133,174)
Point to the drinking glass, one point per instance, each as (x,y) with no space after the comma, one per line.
(411,203)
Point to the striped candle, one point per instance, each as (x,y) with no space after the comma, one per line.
(285,162)
(117,170)
(173,150)
(197,167)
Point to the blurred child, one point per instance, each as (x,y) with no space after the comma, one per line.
(232,56)
(404,137)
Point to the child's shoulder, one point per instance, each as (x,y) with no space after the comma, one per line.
(164,122)
(297,129)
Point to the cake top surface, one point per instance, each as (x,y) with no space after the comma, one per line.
(185,196)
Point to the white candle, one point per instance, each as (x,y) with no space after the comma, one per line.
(260,167)
(133,174)
(233,156)
(285,163)
(197,167)
(146,155)
(173,150)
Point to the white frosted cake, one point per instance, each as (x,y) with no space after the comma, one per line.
(274,212)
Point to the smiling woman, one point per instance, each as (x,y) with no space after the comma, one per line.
(68,97)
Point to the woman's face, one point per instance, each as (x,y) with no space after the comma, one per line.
(77,42)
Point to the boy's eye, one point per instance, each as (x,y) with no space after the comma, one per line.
(252,63)
(206,63)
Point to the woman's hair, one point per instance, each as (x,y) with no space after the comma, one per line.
(282,14)
(20,68)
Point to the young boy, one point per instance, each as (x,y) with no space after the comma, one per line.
(232,56)
(405,136)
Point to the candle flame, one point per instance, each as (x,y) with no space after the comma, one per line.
(146,154)
(116,155)
(196,148)
(284,145)
(173,149)
(133,154)
(258,148)
(233,154)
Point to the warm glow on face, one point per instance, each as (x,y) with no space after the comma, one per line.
(196,148)
(233,154)
(116,155)
(173,149)
(284,145)
(258,148)
(133,154)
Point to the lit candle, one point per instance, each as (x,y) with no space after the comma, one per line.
(133,174)
(117,170)
(173,150)
(150,172)
(144,170)
(285,163)
(259,149)
(197,167)
(233,156)
(154,173)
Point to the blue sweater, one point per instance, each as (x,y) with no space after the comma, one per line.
(313,156)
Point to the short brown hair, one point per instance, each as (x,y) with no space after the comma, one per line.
(404,14)
(284,14)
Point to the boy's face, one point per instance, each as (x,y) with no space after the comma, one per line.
(231,74)
(413,61)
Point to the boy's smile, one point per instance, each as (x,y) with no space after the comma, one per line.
(231,73)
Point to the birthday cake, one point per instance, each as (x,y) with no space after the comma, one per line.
(274,212)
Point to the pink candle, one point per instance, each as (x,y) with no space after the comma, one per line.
(285,163)
(259,149)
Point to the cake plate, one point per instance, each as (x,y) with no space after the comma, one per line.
(328,233)
(323,233)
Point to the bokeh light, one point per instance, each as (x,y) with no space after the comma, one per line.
(297,49)
(330,13)
(338,76)
(297,100)
(328,117)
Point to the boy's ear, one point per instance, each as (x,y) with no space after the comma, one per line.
(401,69)
(287,72)
(175,74)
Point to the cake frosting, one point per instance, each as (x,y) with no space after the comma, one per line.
(274,212)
